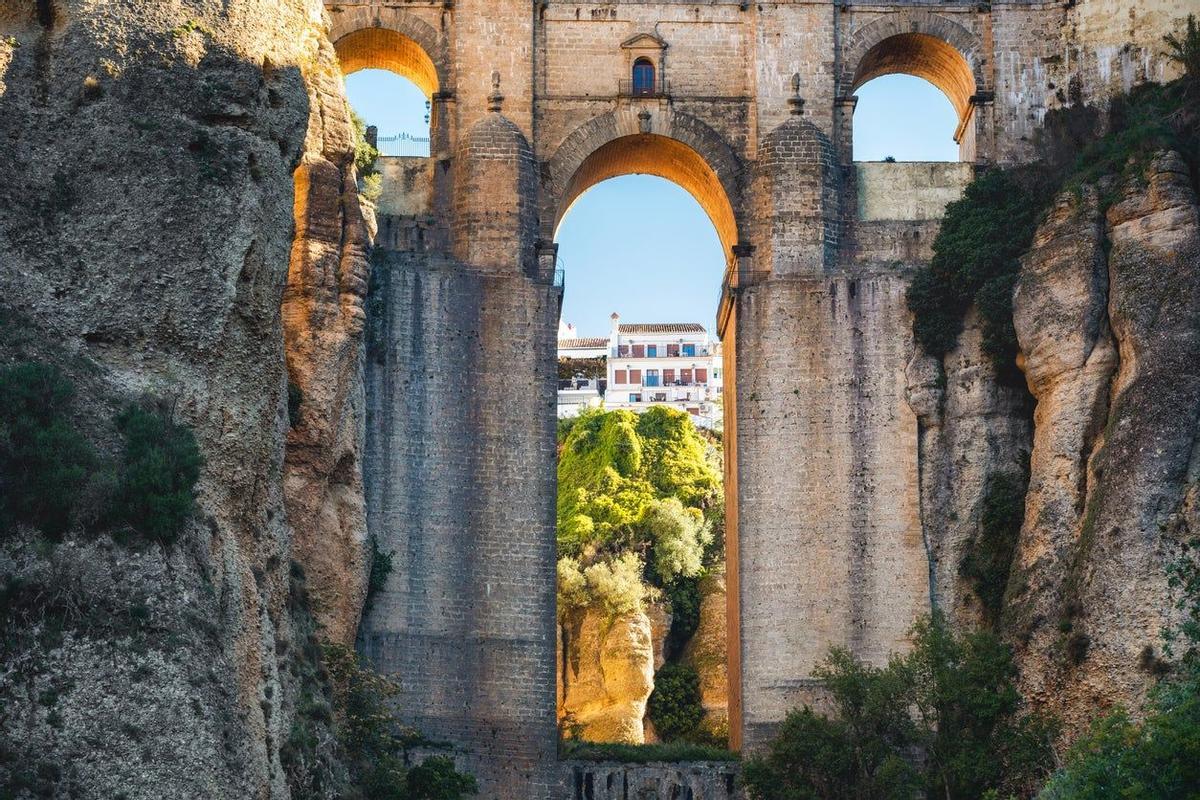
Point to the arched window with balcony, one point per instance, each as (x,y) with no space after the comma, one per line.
(643,76)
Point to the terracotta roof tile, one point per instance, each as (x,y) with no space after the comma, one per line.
(662,327)
(583,343)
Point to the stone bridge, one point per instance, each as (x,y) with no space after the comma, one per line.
(750,109)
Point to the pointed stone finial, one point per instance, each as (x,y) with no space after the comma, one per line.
(796,101)
(495,99)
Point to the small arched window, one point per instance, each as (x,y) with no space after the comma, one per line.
(643,76)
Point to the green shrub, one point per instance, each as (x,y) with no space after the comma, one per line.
(679,538)
(975,261)
(664,752)
(436,779)
(156,489)
(44,461)
(674,705)
(943,721)
(684,596)
(989,556)
(381,568)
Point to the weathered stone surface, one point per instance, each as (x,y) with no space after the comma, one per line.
(1113,458)
(146,217)
(608,676)
(1068,353)
(972,427)
(323,322)
(707,652)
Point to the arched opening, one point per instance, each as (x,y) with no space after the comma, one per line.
(662,157)
(904,118)
(643,229)
(643,76)
(906,110)
(390,83)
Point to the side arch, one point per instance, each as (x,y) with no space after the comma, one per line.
(920,43)
(392,39)
(674,146)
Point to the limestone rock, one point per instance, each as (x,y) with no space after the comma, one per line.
(146,219)
(707,652)
(971,427)
(1111,464)
(608,676)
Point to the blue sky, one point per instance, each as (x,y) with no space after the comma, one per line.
(643,247)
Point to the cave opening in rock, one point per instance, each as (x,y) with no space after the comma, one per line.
(643,227)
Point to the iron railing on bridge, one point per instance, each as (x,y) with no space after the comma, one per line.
(403,145)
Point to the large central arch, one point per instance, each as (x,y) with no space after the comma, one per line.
(693,156)
(676,147)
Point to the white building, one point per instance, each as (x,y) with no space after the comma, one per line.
(674,364)
(576,393)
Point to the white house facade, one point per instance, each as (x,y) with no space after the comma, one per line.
(675,364)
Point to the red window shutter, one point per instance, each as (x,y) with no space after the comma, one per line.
(668,377)
(635,376)
(701,376)
(685,375)
(639,351)
(623,350)
(673,351)
(619,376)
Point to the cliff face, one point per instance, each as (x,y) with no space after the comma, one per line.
(607,675)
(1111,345)
(146,231)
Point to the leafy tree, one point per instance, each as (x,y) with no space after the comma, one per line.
(679,536)
(156,491)
(44,461)
(944,720)
(615,466)
(674,705)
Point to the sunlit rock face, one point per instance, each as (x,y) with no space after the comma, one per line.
(608,674)
(707,652)
(147,224)
(1110,344)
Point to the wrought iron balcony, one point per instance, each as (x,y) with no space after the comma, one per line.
(637,88)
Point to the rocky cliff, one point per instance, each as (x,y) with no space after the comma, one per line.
(147,234)
(1107,311)
(607,673)
(1107,314)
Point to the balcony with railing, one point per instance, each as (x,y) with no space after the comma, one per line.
(638,87)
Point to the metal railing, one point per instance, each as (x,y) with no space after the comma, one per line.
(631,88)
(403,145)
(560,278)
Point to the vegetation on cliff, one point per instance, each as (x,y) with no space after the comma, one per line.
(943,721)
(640,519)
(637,503)
(51,477)
(977,250)
(344,740)
(1158,757)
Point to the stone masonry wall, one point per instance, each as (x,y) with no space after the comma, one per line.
(829,541)
(460,487)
